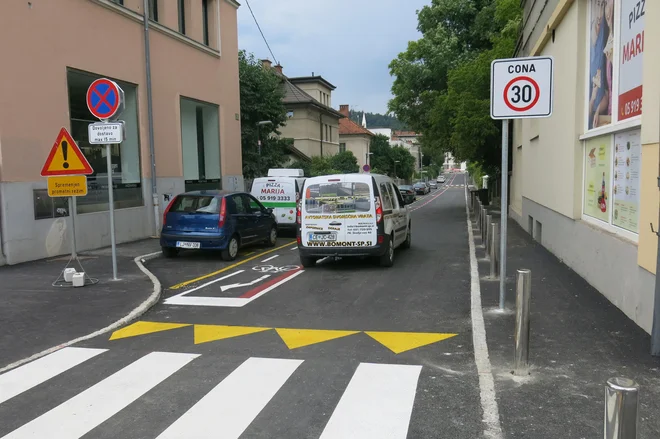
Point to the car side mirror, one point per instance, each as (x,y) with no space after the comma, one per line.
(269,210)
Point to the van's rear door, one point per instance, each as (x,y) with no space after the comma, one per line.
(338,211)
(278,193)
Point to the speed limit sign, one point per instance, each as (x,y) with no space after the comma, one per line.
(521,87)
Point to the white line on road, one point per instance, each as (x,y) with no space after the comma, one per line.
(491,413)
(32,374)
(85,411)
(270,259)
(376,404)
(204,285)
(295,248)
(228,409)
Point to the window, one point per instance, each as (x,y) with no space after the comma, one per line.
(615,57)
(612,180)
(394,194)
(200,142)
(253,205)
(46,207)
(182,16)
(205,20)
(346,197)
(119,2)
(240,206)
(153,10)
(191,203)
(386,196)
(342,147)
(327,132)
(125,158)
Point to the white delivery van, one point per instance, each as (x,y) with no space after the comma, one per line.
(351,215)
(280,191)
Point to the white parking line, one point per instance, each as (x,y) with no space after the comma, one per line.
(270,259)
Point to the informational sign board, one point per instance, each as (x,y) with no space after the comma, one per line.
(521,87)
(102,133)
(67,186)
(105,99)
(66,158)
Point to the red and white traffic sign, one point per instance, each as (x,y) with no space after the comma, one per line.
(521,87)
(105,99)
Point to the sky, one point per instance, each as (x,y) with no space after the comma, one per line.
(348,42)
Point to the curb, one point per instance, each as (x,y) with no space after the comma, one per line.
(137,312)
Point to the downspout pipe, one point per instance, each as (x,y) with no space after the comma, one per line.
(150,113)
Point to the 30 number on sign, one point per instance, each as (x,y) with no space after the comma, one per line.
(521,93)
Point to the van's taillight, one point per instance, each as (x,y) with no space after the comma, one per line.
(167,209)
(298,213)
(223,213)
(379,210)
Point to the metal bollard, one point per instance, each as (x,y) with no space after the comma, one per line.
(483,227)
(621,404)
(489,221)
(494,248)
(521,336)
(479,211)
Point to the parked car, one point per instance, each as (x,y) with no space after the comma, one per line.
(441,179)
(408,193)
(352,215)
(421,188)
(433,184)
(216,220)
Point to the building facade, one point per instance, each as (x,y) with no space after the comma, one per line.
(354,138)
(56,50)
(312,122)
(584,181)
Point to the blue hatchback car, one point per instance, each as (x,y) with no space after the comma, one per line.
(216,220)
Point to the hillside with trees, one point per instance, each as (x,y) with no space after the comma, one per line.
(377,120)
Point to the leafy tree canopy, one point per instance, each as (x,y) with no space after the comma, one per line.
(341,163)
(386,158)
(442,81)
(261,100)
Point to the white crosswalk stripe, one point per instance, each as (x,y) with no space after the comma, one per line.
(377,402)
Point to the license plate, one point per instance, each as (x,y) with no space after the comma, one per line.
(322,236)
(186,244)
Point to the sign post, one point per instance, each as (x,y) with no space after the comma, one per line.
(520,88)
(105,100)
(66,168)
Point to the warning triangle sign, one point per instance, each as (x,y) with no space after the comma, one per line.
(66,158)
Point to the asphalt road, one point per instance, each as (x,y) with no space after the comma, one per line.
(260,348)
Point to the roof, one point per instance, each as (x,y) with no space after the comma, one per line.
(347,127)
(294,95)
(311,79)
(212,192)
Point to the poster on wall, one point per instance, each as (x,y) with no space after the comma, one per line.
(601,55)
(625,193)
(631,55)
(597,178)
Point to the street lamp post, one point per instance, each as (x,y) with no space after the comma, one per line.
(395,162)
(369,158)
(259,125)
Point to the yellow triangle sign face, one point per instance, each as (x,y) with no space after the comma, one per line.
(66,158)
(296,338)
(207,333)
(142,328)
(399,342)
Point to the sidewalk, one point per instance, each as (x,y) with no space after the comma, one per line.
(578,340)
(36,316)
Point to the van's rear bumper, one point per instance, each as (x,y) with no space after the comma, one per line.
(323,252)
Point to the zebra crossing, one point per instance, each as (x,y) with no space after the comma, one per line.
(377,402)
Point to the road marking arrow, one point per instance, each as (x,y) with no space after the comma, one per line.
(228,287)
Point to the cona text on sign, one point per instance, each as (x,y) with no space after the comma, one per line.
(521,87)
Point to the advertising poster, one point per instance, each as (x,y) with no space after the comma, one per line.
(625,193)
(601,50)
(597,178)
(631,55)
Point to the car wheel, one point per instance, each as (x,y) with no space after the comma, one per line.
(272,237)
(307,261)
(230,253)
(408,242)
(170,252)
(387,260)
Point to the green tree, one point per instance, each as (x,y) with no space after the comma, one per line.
(406,162)
(384,158)
(345,162)
(261,100)
(442,81)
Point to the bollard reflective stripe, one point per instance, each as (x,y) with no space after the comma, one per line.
(521,336)
(621,408)
(494,247)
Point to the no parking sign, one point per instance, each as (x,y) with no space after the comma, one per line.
(521,87)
